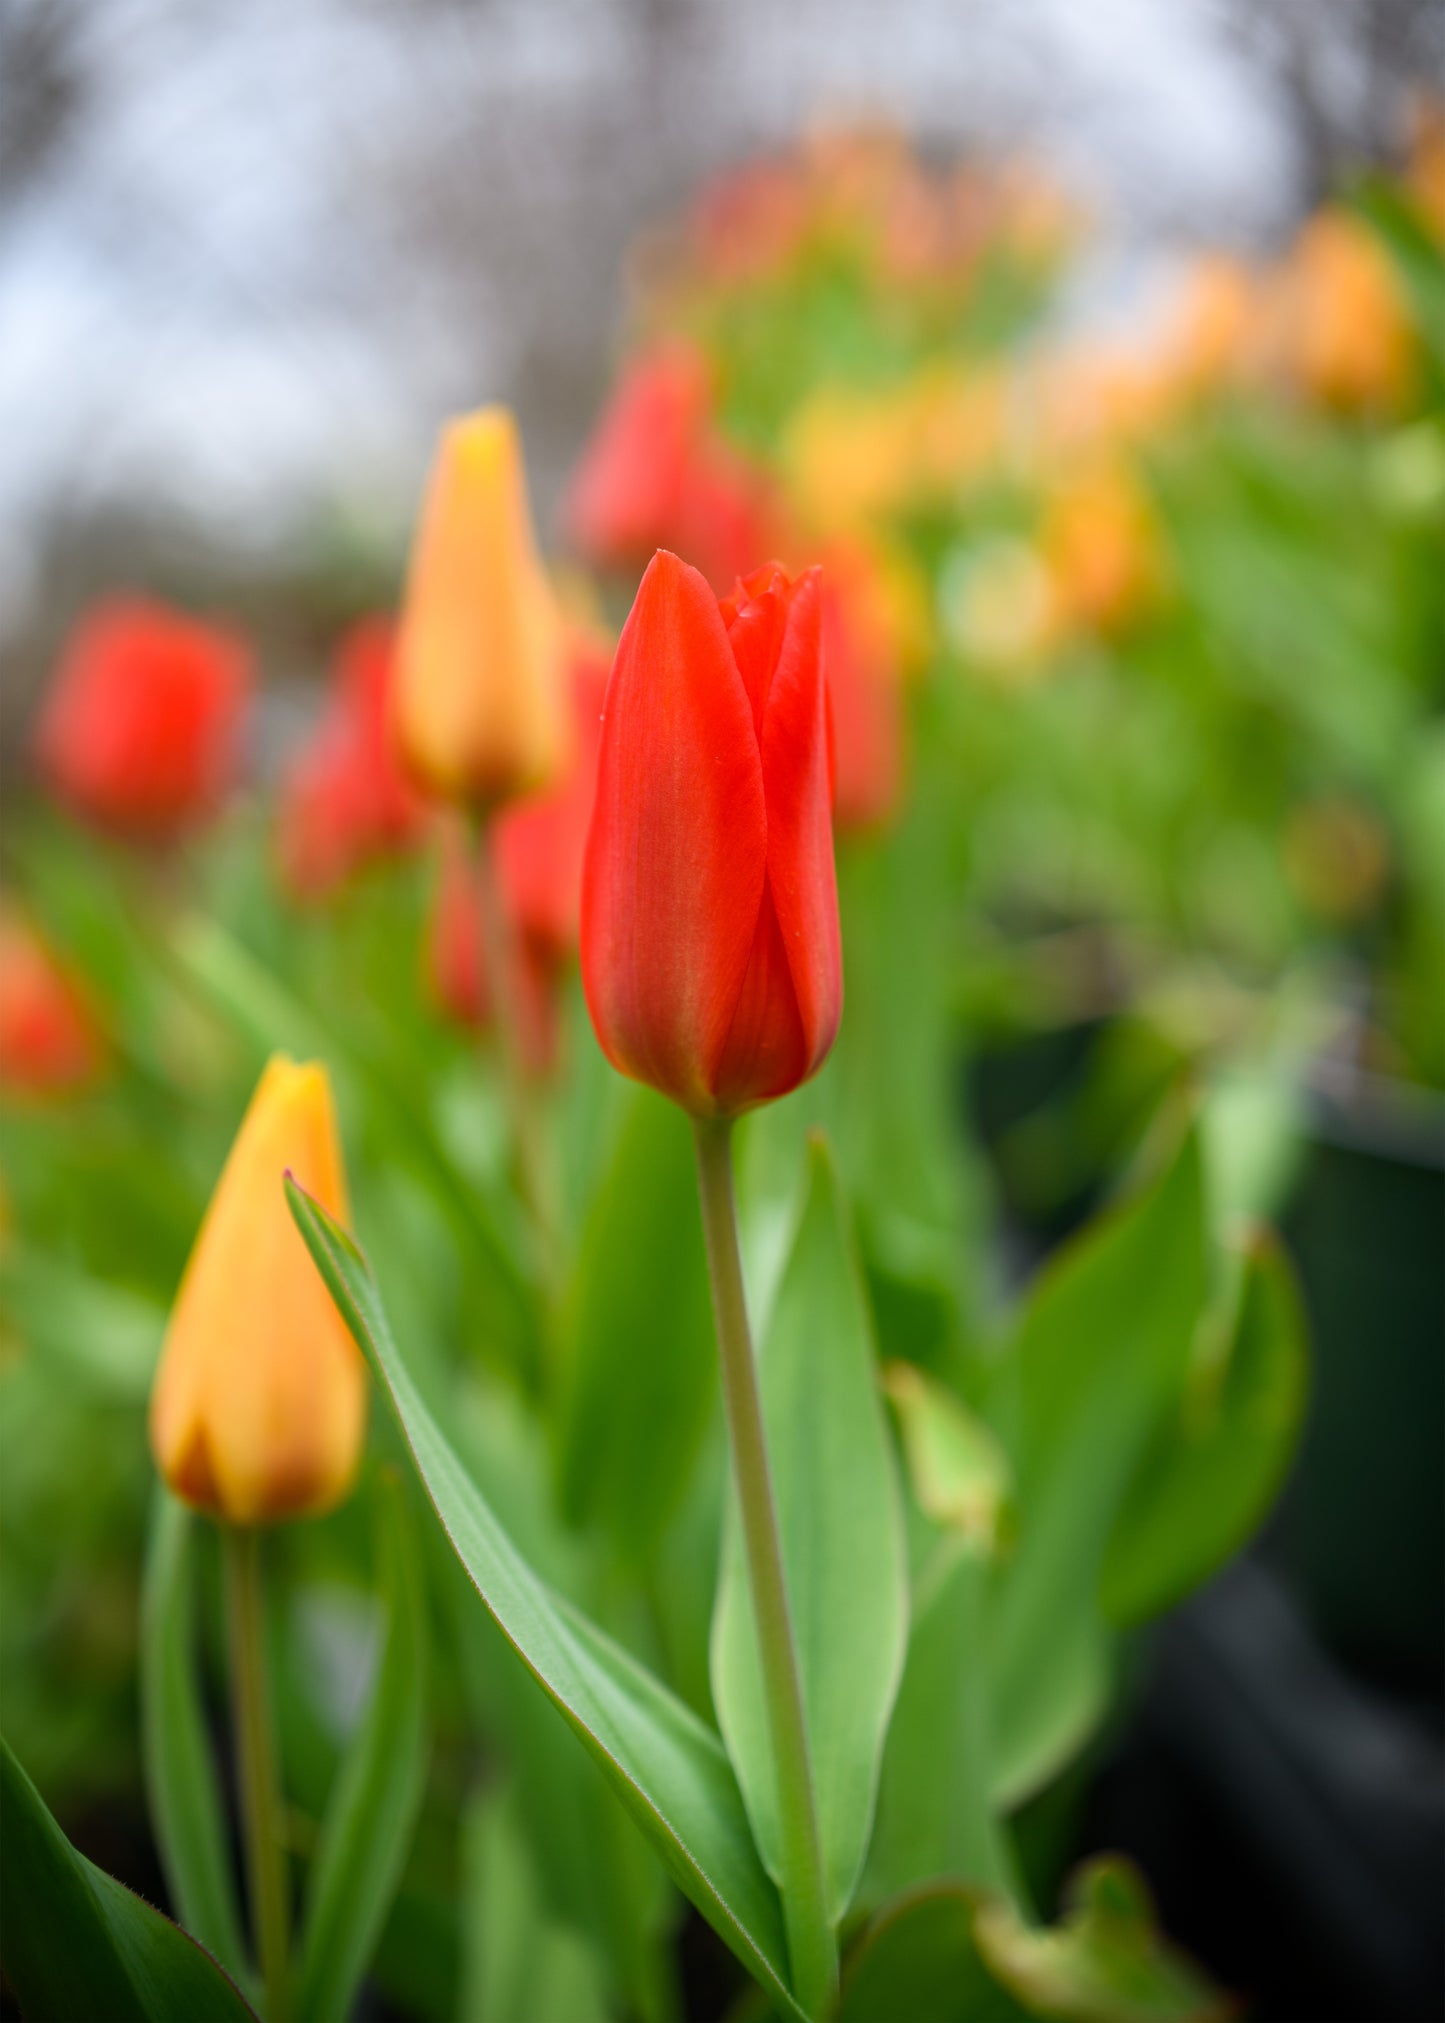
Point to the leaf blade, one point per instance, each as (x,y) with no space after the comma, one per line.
(841,1524)
(669,1770)
(182,1788)
(369,1821)
(78,1943)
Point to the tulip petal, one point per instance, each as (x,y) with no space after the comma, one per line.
(677,855)
(767,1051)
(800,830)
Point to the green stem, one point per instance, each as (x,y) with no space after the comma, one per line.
(256,1767)
(812,1946)
(518,1089)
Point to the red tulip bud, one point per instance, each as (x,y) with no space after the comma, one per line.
(710,948)
(346,800)
(141,728)
(49,1042)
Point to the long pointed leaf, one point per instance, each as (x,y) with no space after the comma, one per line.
(181,1783)
(841,1520)
(669,1769)
(79,1944)
(368,1824)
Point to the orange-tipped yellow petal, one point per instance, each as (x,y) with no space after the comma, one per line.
(259,1405)
(480,708)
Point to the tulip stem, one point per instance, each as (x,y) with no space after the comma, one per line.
(812,1945)
(256,1767)
(519,1093)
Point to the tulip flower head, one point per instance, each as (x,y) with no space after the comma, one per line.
(710,948)
(141,729)
(459,978)
(345,800)
(49,1043)
(479,711)
(657,470)
(259,1406)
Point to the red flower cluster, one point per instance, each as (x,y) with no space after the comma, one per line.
(346,801)
(141,729)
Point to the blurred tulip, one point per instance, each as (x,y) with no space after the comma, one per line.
(141,728)
(710,946)
(865,690)
(1102,547)
(258,1411)
(657,472)
(457,962)
(1216,320)
(479,714)
(1001,611)
(49,1042)
(1344,328)
(539,845)
(345,800)
(541,841)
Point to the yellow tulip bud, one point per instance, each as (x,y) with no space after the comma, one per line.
(480,707)
(259,1405)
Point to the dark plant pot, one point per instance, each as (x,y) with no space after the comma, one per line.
(1361,1532)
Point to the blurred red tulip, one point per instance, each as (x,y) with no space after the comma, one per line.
(656,472)
(49,1043)
(458,967)
(141,728)
(710,947)
(346,801)
(865,691)
(541,841)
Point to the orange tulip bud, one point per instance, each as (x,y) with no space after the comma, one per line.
(259,1405)
(480,714)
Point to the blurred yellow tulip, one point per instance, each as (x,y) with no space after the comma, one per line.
(1346,334)
(480,710)
(259,1406)
(1102,546)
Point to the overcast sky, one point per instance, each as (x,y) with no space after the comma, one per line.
(282,239)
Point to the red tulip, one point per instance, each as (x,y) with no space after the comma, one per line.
(48,1040)
(656,471)
(710,948)
(540,842)
(458,966)
(865,693)
(346,800)
(141,729)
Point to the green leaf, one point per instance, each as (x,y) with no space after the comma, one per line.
(1105,1962)
(841,1525)
(519,1965)
(105,1335)
(918,1958)
(668,1768)
(79,1944)
(957,1468)
(1213,1472)
(182,1788)
(936,1811)
(639,1372)
(261,1007)
(947,1953)
(368,1825)
(1099,1355)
